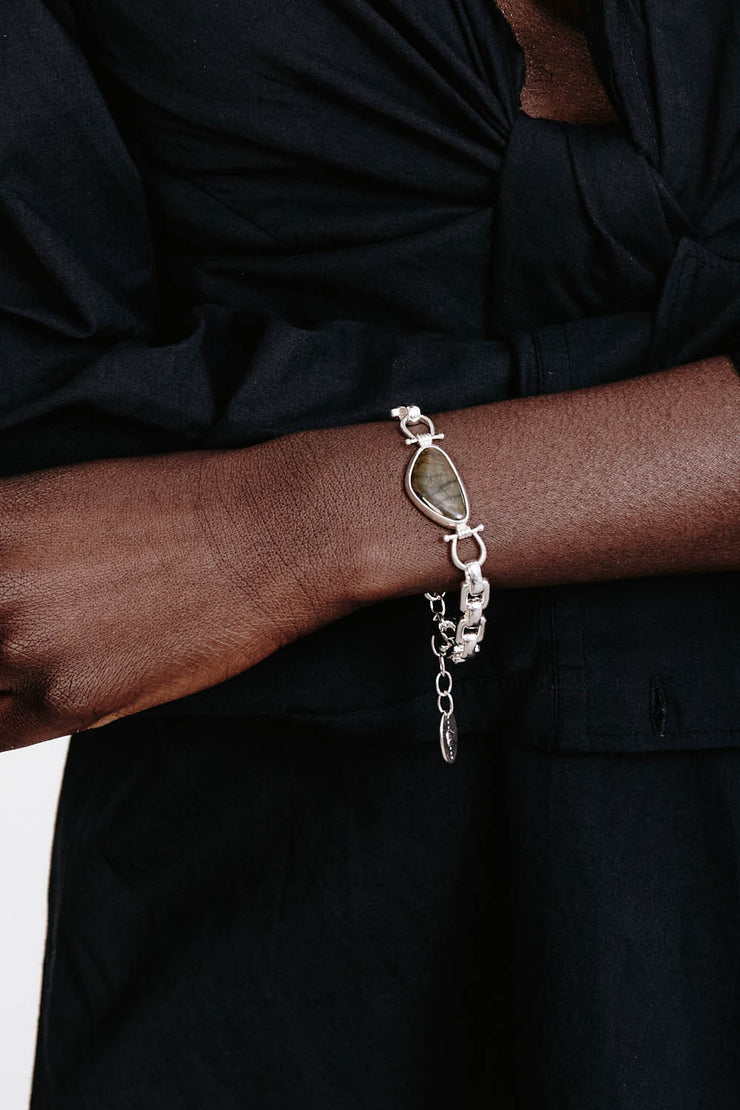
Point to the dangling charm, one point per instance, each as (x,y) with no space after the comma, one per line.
(448,737)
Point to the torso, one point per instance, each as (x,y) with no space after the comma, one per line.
(561,81)
(340,163)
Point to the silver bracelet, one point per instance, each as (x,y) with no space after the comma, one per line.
(435,487)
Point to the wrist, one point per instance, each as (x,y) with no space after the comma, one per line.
(296,492)
(334,519)
(358,539)
(394,550)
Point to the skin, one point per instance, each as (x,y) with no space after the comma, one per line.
(127,583)
(561,81)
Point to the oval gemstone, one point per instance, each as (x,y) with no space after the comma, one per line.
(435,483)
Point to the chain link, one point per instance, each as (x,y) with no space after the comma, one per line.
(442,644)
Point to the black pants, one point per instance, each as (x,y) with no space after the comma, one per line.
(254,916)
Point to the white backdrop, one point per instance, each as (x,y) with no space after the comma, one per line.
(29,788)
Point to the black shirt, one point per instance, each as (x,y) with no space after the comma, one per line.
(223,222)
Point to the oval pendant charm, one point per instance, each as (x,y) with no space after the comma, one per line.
(448,737)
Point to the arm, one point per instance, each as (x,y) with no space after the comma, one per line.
(85,372)
(98,362)
(169,574)
(635,478)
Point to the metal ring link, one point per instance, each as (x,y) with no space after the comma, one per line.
(465,646)
(474,576)
(464,632)
(448,676)
(414,418)
(444,646)
(473,613)
(446,712)
(444,627)
(474,533)
(466,593)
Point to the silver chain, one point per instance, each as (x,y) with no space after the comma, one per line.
(452,640)
(456,642)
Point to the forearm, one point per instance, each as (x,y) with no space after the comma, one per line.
(639,477)
(127,583)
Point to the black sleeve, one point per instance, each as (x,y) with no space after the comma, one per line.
(90,367)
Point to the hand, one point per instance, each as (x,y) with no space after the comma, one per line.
(127,583)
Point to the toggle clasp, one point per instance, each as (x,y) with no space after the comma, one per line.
(462,532)
(413,413)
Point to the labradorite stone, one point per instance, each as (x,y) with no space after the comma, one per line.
(435,483)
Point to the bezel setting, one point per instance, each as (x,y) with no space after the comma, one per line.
(432,513)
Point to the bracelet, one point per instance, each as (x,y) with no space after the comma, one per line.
(434,486)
